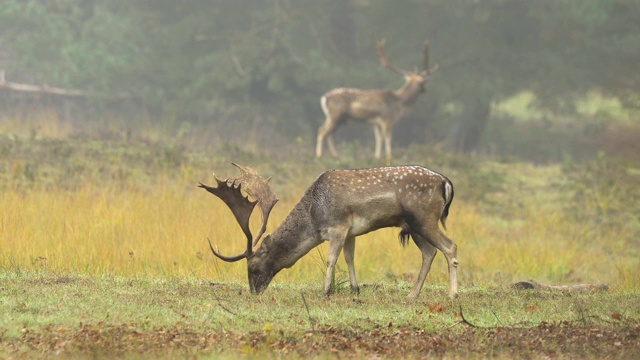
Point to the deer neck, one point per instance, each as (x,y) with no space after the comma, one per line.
(409,93)
(294,238)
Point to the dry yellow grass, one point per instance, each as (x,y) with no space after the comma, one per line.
(161,231)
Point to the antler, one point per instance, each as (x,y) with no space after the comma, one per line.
(383,58)
(241,208)
(258,189)
(425,56)
(230,192)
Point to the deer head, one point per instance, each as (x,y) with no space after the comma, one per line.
(413,79)
(230,192)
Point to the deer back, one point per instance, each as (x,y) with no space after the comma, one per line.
(358,104)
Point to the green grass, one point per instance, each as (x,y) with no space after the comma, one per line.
(89,316)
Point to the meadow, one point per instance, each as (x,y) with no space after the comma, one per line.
(104,250)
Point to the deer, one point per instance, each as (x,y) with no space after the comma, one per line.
(339,206)
(378,107)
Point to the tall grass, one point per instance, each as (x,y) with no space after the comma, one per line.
(161,232)
(131,209)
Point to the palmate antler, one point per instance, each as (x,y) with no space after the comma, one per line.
(258,189)
(230,192)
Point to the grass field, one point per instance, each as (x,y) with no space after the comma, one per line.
(104,251)
(46,315)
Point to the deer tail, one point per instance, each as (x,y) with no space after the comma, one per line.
(403,237)
(447,193)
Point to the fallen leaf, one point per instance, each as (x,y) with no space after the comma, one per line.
(531,309)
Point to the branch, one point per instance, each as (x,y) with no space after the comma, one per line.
(224,307)
(465,321)
(533,285)
(311,321)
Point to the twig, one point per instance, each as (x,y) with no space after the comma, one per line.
(465,321)
(306,307)
(497,318)
(224,307)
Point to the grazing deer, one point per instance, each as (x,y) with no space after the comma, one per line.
(380,108)
(338,206)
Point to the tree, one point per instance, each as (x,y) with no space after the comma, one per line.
(275,58)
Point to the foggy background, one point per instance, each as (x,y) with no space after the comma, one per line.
(538,80)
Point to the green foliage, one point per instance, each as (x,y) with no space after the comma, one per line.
(69,43)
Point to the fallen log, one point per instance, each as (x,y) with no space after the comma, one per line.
(533,285)
(46,89)
(38,88)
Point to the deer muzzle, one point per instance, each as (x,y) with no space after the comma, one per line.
(259,280)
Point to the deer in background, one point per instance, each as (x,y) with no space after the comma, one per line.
(380,108)
(337,207)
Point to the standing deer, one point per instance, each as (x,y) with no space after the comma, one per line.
(380,108)
(338,206)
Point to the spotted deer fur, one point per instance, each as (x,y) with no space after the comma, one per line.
(343,204)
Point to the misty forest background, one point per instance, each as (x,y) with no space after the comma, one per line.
(532,98)
(543,81)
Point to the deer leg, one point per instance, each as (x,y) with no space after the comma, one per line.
(336,243)
(324,130)
(428,254)
(378,135)
(320,141)
(332,146)
(450,251)
(387,134)
(349,254)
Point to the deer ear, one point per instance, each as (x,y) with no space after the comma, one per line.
(265,244)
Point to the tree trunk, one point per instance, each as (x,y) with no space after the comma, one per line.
(343,28)
(473,120)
